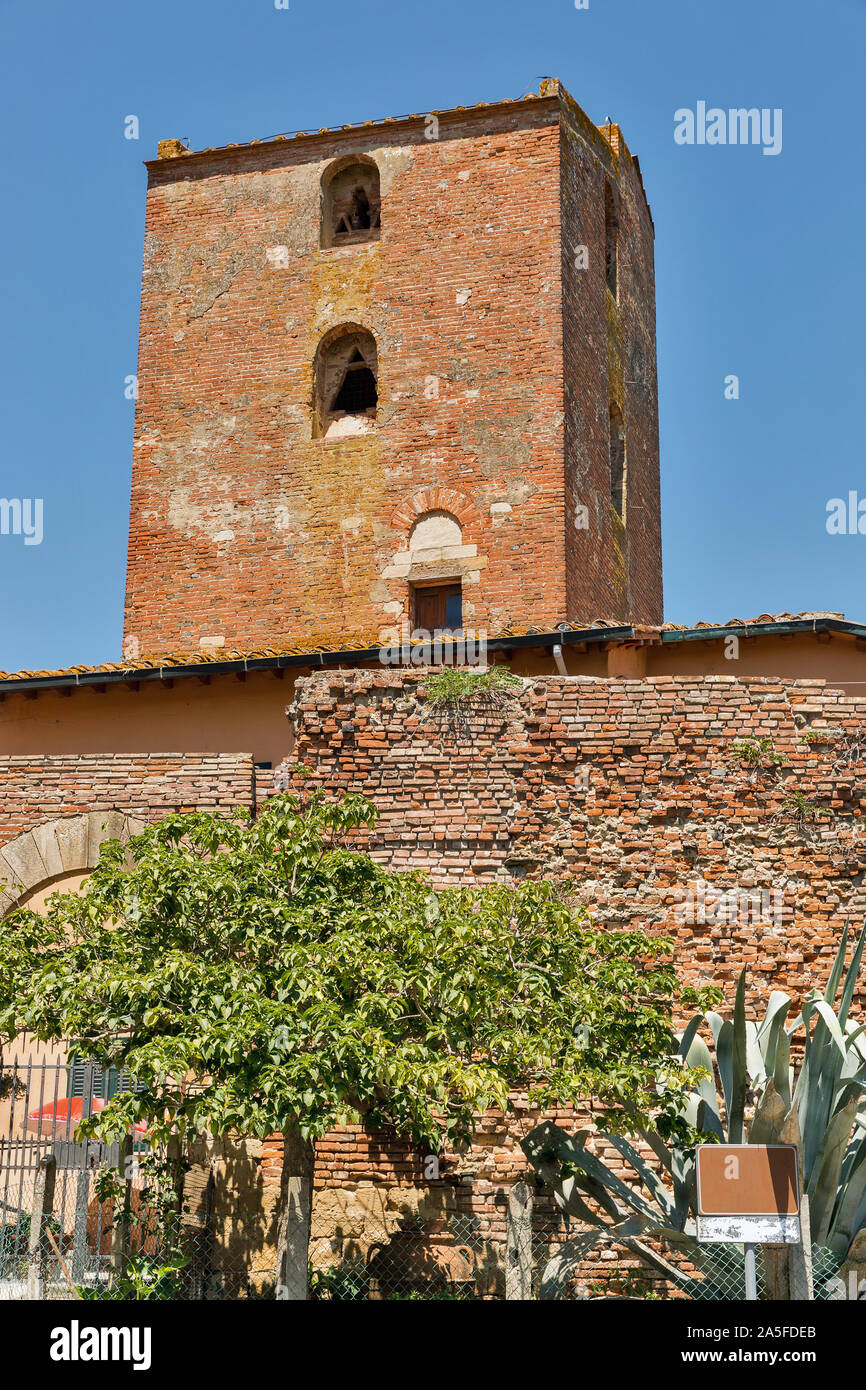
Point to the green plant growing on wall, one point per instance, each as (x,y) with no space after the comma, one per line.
(814,736)
(757,753)
(628,1285)
(454,685)
(803,812)
(851,748)
(821,1107)
(258,977)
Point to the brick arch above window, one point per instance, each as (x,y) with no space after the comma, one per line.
(58,848)
(434,499)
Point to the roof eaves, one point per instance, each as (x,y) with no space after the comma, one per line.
(771,629)
(59,680)
(503,106)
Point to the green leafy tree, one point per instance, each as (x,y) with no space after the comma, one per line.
(257,976)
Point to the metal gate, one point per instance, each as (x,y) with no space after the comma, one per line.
(43,1099)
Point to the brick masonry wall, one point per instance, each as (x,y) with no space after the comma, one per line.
(245,529)
(40,789)
(628,790)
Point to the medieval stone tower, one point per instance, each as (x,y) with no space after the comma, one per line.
(402,370)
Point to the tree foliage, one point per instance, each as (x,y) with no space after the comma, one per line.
(257,976)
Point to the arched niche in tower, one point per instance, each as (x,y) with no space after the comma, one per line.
(351,202)
(346,376)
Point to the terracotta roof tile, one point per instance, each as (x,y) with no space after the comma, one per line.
(353,642)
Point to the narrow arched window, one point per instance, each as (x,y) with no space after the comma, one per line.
(617,461)
(351,202)
(611,230)
(347,384)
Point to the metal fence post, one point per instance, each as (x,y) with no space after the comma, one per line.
(40,1212)
(518,1245)
(801,1283)
(751,1271)
(120,1227)
(82,1186)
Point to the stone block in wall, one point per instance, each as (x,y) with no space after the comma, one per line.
(45,836)
(23,862)
(72,842)
(102,826)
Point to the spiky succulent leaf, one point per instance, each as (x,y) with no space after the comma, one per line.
(834,979)
(851,979)
(695,1052)
(849,1213)
(782,1067)
(770,1030)
(769,1117)
(723,1037)
(739,1065)
(823,1182)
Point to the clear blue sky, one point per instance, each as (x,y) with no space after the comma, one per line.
(760,261)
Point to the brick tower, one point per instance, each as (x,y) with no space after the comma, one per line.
(402,369)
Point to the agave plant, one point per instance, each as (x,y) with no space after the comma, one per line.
(821,1108)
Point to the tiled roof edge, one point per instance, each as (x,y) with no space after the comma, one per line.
(189,665)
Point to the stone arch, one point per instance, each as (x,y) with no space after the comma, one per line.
(435,551)
(57,849)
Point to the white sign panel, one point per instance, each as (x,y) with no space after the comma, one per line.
(749,1230)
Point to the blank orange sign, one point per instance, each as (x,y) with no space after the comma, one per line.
(748,1180)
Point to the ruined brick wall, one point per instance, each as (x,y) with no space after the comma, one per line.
(614,565)
(632,792)
(247,530)
(39,789)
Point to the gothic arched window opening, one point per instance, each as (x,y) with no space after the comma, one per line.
(347,387)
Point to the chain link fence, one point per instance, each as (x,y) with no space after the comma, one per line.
(65,1225)
(460,1257)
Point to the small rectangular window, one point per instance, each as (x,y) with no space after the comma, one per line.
(439,607)
(454,609)
(88,1080)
